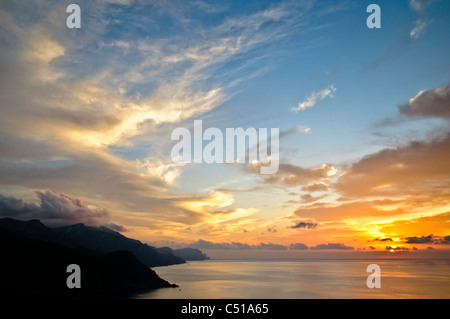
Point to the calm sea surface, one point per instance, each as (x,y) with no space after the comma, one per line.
(220,279)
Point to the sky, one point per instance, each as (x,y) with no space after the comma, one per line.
(86,117)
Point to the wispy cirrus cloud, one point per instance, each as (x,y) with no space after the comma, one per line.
(418,29)
(422,22)
(314,98)
(416,5)
(75,107)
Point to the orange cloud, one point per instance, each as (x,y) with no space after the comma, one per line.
(415,167)
(357,209)
(437,224)
(316,187)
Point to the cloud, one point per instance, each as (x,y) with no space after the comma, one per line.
(203,244)
(116,227)
(398,48)
(408,177)
(332,246)
(33,163)
(214,217)
(293,175)
(421,23)
(419,28)
(305,225)
(16,208)
(408,169)
(295,130)
(445,240)
(296,175)
(270,246)
(63,207)
(430,103)
(419,240)
(437,224)
(91,114)
(307,198)
(314,98)
(56,209)
(383,239)
(356,209)
(316,187)
(396,248)
(416,5)
(214,203)
(298,246)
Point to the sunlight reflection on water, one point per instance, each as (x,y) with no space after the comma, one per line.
(219,279)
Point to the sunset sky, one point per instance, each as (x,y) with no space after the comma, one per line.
(86,117)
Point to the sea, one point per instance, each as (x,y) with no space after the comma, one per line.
(303,279)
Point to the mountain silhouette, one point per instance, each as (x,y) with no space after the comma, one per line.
(91,240)
(32,268)
(187,254)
